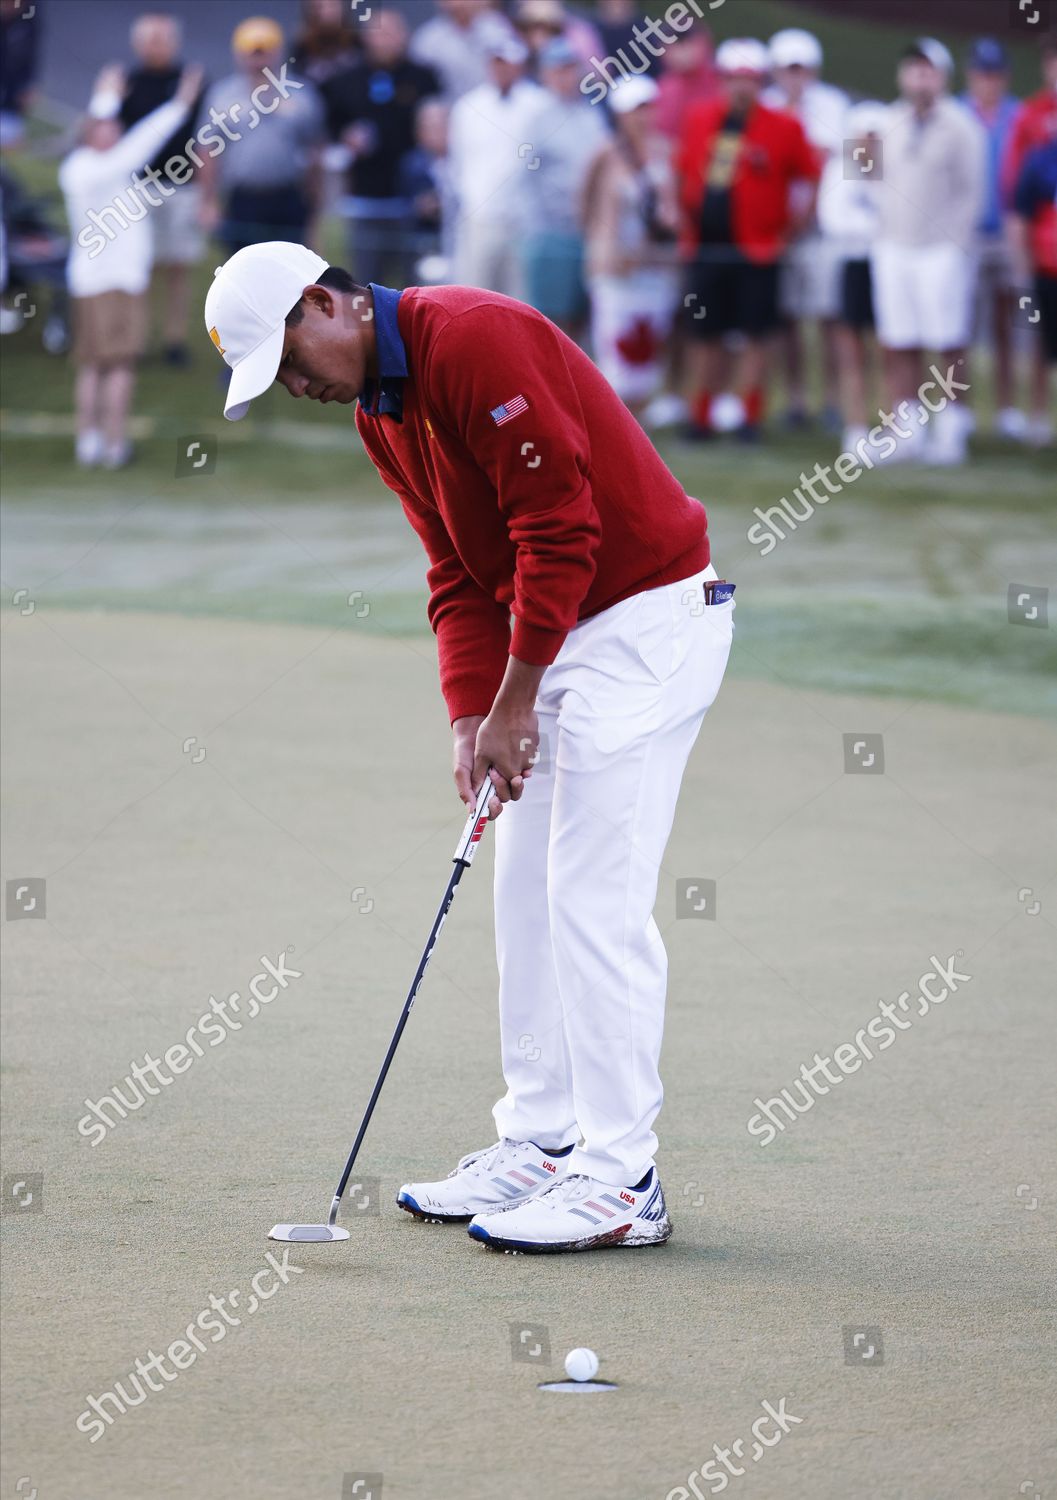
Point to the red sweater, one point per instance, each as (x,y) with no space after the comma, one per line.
(773,153)
(549,514)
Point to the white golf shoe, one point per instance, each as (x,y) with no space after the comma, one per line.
(579,1213)
(487,1181)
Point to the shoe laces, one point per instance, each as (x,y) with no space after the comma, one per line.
(573,1188)
(476,1163)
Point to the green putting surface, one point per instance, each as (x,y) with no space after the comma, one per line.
(903,1223)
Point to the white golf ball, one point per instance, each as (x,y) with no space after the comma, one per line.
(581,1364)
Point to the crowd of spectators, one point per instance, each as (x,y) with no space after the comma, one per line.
(736,241)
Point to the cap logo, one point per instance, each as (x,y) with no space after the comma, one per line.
(216,339)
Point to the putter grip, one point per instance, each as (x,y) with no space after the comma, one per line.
(476,824)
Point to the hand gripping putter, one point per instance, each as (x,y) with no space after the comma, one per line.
(476,824)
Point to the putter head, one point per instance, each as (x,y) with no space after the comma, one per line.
(308,1233)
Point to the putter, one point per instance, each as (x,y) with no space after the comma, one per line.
(476,824)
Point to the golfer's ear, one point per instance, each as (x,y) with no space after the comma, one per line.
(318,296)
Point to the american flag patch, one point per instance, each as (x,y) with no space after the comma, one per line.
(509,410)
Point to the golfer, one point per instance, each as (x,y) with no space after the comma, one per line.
(571,594)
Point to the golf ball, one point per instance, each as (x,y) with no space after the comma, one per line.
(581,1364)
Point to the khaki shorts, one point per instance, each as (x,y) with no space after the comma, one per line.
(179,239)
(110,328)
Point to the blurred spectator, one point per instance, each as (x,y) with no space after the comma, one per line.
(179,239)
(738,165)
(1033,228)
(266,182)
(1037,121)
(568,133)
(995,109)
(810,285)
(328,43)
(1035,125)
(617,23)
(540,21)
(32,256)
(631,219)
(458,42)
(689,78)
(19,44)
(933,190)
(491,147)
(849,214)
(425,185)
(108,275)
(371,109)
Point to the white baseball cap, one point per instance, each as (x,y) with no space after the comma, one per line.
(631,93)
(246,310)
(794,48)
(742,54)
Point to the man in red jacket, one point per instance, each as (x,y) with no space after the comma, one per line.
(580,642)
(737,166)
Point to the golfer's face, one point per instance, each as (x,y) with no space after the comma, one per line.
(323,358)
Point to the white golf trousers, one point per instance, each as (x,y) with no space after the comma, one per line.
(582,966)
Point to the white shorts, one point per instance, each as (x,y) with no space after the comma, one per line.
(923,295)
(582,966)
(631,321)
(179,239)
(811,279)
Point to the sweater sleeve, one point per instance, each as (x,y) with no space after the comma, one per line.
(472,629)
(499,380)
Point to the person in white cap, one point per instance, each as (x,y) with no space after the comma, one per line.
(582,635)
(740,166)
(933,192)
(631,221)
(490,147)
(810,290)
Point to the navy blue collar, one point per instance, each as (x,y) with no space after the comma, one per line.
(384,397)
